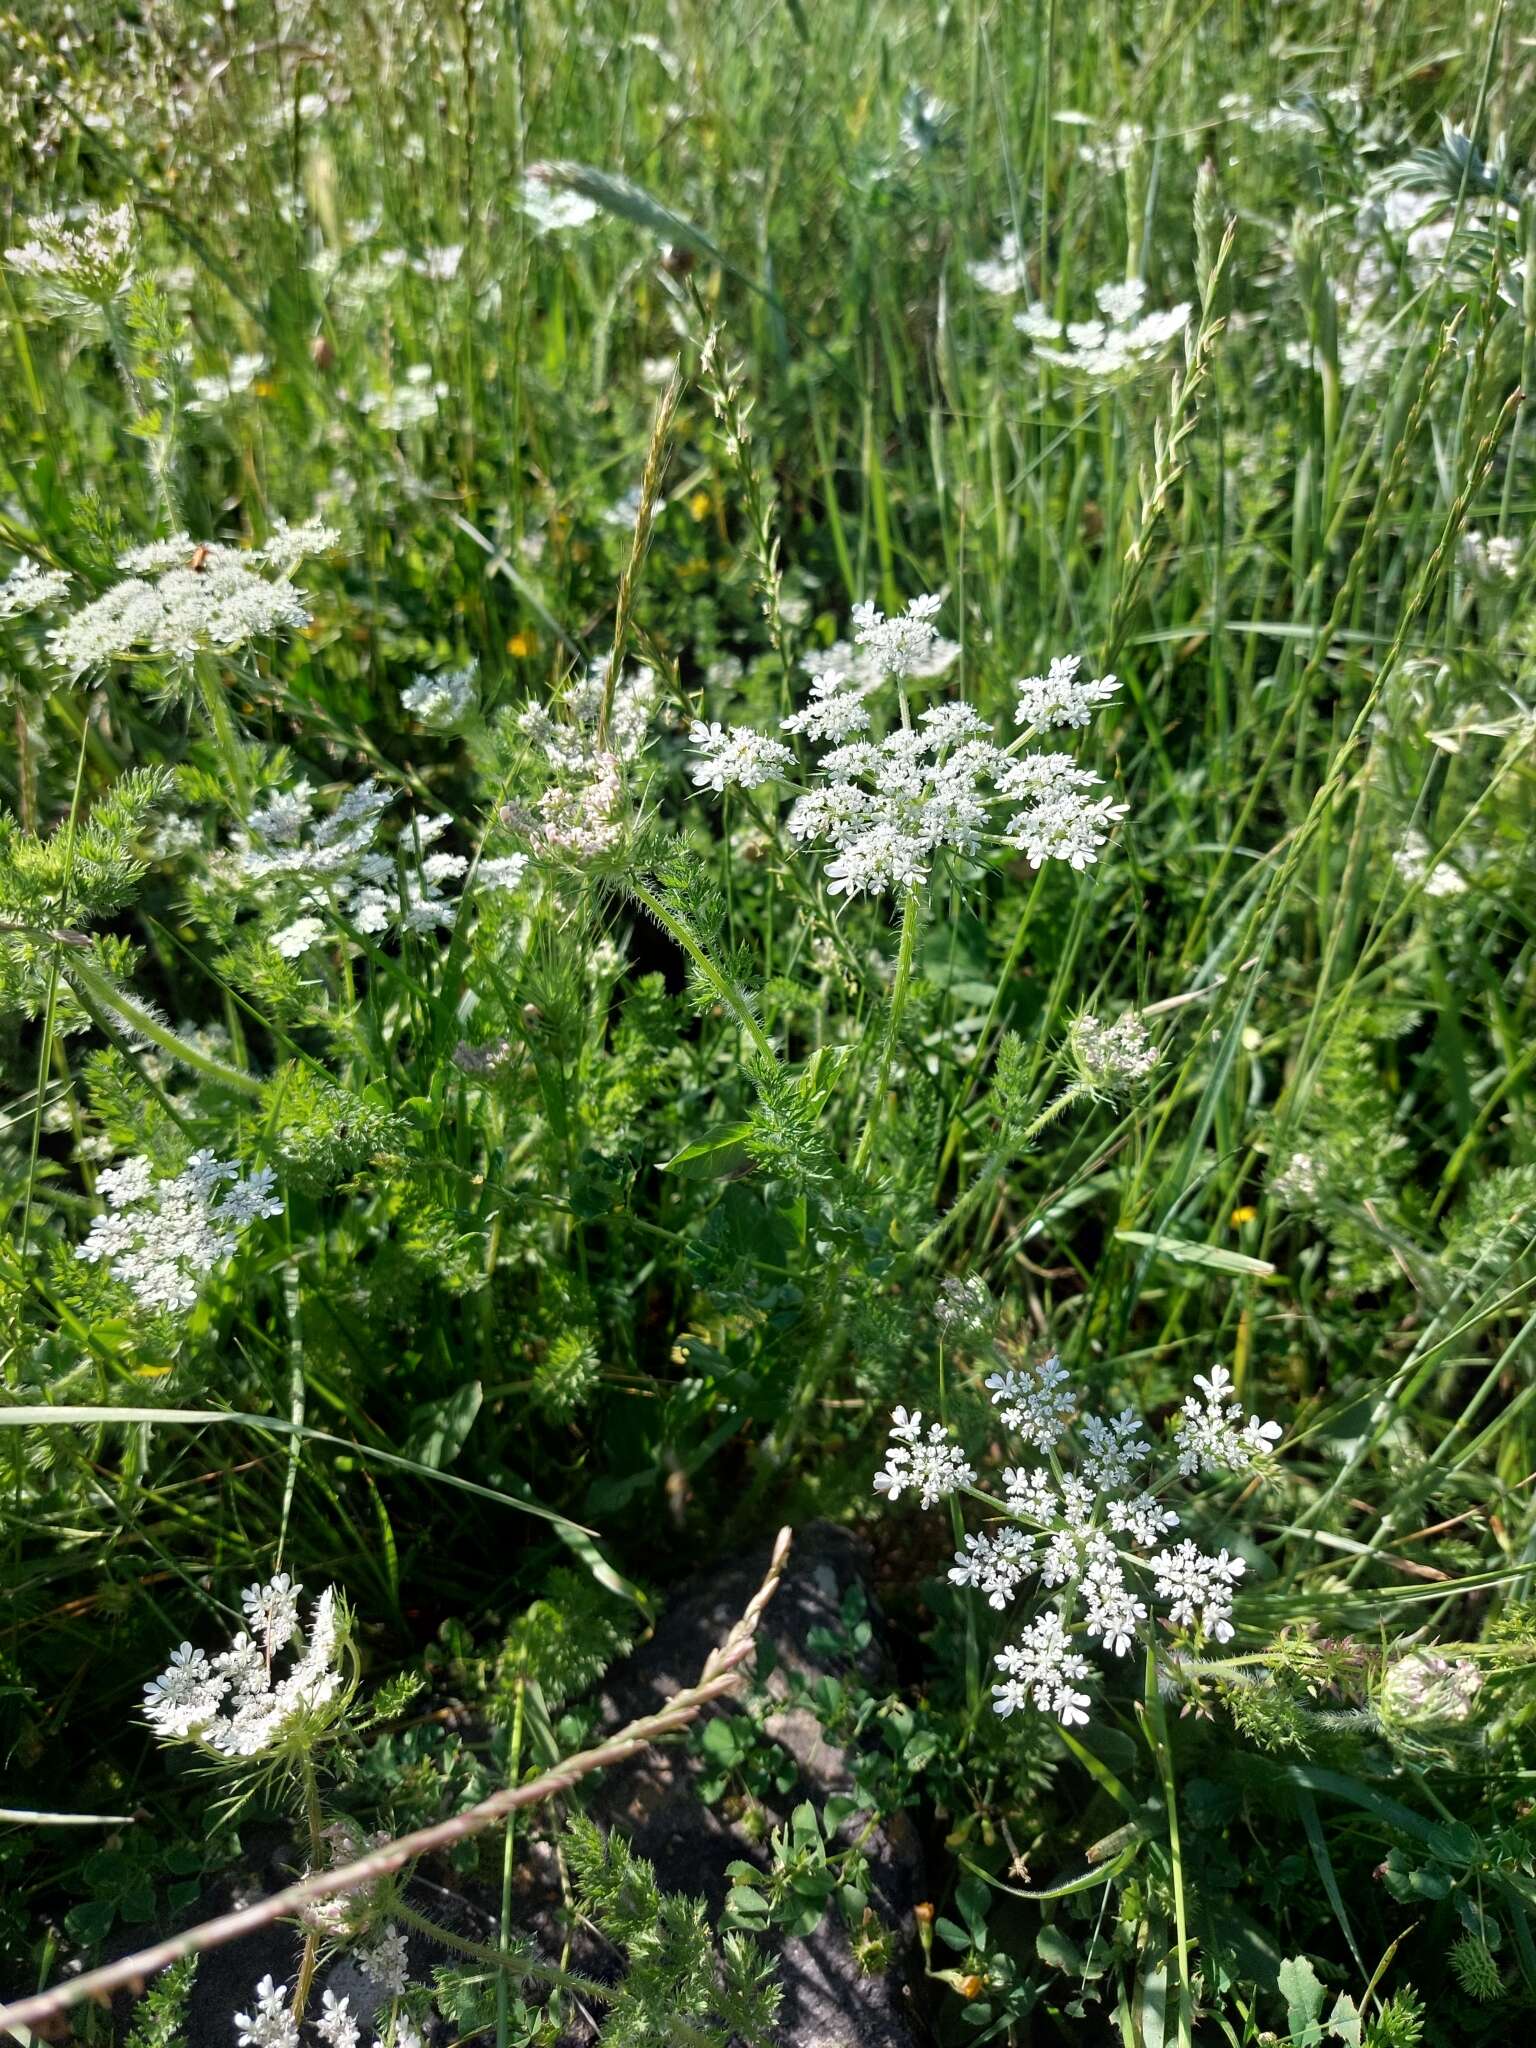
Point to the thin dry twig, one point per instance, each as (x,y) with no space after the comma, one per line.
(721,1674)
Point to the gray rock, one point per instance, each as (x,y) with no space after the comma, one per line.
(829,2002)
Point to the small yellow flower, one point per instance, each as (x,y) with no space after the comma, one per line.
(262,389)
(1246,1214)
(699,504)
(522,645)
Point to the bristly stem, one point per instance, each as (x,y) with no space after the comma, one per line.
(716,977)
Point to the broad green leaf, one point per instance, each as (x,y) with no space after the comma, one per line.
(1302,1990)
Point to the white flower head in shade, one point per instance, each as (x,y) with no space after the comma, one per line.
(1004,274)
(270,2023)
(1112,1058)
(444,700)
(336,2026)
(551,204)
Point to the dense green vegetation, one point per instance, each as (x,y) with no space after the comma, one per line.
(469,1140)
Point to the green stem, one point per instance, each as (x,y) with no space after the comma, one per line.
(521,1965)
(95,990)
(50,1007)
(716,977)
(996,1160)
(899,992)
(1157,1721)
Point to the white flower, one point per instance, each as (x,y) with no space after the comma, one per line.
(336,2026)
(502,874)
(1424,1687)
(899,646)
(1113,1611)
(933,1467)
(1491,558)
(885,858)
(219,387)
(186,1695)
(442,701)
(439,265)
(1113,1056)
(29,588)
(271,2024)
(1041,1668)
(835,712)
(123,1185)
(995,1565)
(1415,861)
(383,1960)
(241,1705)
(1124,341)
(161,1236)
(296,939)
(273,1610)
(735,757)
(1037,1404)
(964,1307)
(552,206)
(1197,1589)
(1030,1493)
(1061,697)
(1143,1519)
(1212,1433)
(1113,1450)
(184,611)
(83,260)
(1064,828)
(1003,274)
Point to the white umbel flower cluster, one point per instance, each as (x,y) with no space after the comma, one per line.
(310,870)
(183,598)
(885,807)
(1004,274)
(1087,1523)
(1113,1057)
(581,814)
(235,1704)
(444,700)
(1213,1433)
(932,1466)
(30,588)
(1124,340)
(160,1237)
(270,2022)
(735,757)
(80,261)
